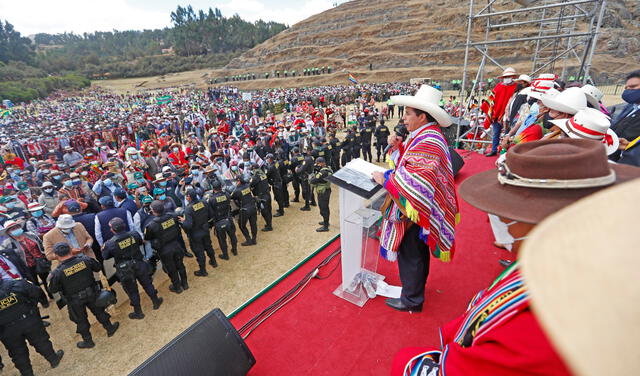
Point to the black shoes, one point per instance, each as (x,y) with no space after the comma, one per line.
(112,329)
(56,361)
(177,290)
(278,214)
(213,263)
(396,303)
(86,344)
(234,252)
(136,315)
(224,257)
(185,285)
(158,302)
(188,254)
(267,228)
(246,243)
(491,154)
(305,208)
(322,229)
(200,273)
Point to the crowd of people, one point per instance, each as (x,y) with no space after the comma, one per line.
(109,183)
(106,183)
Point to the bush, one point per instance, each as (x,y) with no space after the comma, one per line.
(33,88)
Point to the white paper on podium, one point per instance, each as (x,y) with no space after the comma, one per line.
(387,290)
(358,173)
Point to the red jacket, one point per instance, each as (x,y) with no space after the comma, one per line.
(501,95)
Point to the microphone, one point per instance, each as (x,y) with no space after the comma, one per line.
(402,132)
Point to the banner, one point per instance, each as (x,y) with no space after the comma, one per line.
(246,96)
(164,99)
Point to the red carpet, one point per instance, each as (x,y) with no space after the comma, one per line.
(320,334)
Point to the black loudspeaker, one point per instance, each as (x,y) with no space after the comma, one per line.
(456,161)
(211,346)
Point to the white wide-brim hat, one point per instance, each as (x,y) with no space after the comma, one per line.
(590,124)
(594,95)
(585,298)
(427,99)
(569,101)
(65,221)
(508,72)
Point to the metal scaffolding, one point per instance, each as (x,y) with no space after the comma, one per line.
(564,34)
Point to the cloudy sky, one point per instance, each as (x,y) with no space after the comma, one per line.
(79,16)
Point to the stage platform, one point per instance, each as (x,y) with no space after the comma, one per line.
(318,333)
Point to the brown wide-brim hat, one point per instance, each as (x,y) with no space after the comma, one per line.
(549,160)
(580,267)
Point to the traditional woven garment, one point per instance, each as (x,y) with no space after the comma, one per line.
(423,193)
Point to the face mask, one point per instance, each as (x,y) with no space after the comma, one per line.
(10,205)
(65,230)
(162,197)
(140,181)
(107,182)
(195,172)
(68,183)
(37,213)
(175,150)
(17,232)
(57,177)
(501,232)
(84,173)
(89,155)
(631,96)
(163,183)
(234,168)
(48,190)
(76,182)
(507,81)
(135,156)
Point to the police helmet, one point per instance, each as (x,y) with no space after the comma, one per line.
(105,298)
(269,156)
(320,160)
(216,185)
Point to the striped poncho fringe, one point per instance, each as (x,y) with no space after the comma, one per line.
(423,190)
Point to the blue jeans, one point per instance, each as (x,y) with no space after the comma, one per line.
(497,129)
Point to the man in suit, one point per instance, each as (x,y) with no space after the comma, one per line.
(627,123)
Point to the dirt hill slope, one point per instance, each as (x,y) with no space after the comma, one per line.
(419,37)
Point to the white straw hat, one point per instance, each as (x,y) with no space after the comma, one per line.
(594,95)
(569,101)
(508,72)
(590,124)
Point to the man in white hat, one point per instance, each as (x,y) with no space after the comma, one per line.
(68,231)
(563,106)
(421,209)
(501,94)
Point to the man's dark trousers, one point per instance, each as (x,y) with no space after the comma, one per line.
(413,264)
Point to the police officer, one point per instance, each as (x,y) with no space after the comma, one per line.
(260,188)
(366,133)
(323,187)
(347,145)
(248,212)
(196,225)
(296,160)
(336,147)
(381,134)
(125,248)
(220,204)
(163,231)
(20,321)
(303,171)
(357,143)
(275,180)
(73,278)
(283,167)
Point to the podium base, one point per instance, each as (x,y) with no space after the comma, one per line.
(358,295)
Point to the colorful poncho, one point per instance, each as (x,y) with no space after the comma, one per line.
(423,192)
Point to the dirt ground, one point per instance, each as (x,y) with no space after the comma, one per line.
(227,287)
